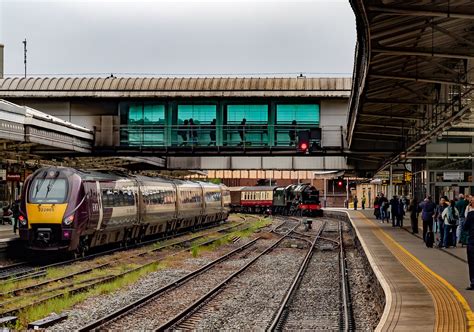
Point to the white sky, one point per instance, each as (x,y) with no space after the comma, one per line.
(186,37)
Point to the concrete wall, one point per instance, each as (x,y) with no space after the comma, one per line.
(86,113)
(334,116)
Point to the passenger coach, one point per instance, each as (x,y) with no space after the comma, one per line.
(74,210)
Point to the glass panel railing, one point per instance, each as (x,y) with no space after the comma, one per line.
(233,135)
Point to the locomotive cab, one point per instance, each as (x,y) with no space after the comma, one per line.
(48,209)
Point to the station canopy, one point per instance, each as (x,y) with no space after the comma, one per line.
(413,77)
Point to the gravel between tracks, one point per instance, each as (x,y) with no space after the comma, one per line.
(96,307)
(249,302)
(171,303)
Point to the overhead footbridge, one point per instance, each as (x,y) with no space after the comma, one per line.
(413,81)
(24,132)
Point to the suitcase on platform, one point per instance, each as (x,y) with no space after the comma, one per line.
(429,239)
(463,238)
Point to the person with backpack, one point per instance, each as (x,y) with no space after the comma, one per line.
(469,229)
(428,208)
(450,217)
(439,221)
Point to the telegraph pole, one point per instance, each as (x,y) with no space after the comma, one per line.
(24,54)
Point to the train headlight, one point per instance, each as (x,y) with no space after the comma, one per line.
(22,220)
(68,221)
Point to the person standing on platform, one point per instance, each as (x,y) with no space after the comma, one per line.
(451,221)
(363,202)
(414,210)
(377,207)
(461,205)
(428,209)
(383,207)
(355,202)
(395,207)
(16,214)
(401,213)
(439,222)
(469,228)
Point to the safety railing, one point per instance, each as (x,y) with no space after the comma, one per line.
(230,135)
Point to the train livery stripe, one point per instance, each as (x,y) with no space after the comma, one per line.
(99,202)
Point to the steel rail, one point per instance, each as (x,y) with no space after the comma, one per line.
(278,320)
(172,285)
(348,318)
(36,271)
(105,279)
(197,304)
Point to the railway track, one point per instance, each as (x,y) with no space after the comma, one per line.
(164,299)
(297,311)
(57,287)
(26,270)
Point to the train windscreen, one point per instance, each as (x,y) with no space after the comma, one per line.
(48,191)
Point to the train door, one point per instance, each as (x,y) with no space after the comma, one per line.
(99,206)
(92,204)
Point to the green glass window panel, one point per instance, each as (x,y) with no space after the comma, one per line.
(306,116)
(154,114)
(135,114)
(146,124)
(201,114)
(255,132)
(302,113)
(252,113)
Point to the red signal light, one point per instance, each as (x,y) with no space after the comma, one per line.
(339,183)
(304,146)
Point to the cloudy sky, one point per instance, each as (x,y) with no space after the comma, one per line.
(179,37)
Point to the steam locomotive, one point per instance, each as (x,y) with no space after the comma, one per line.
(295,199)
(73,210)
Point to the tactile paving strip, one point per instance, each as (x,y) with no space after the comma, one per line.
(452,310)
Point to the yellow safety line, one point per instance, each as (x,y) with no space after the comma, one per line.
(453,312)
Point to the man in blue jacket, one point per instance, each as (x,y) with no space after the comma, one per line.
(428,208)
(469,227)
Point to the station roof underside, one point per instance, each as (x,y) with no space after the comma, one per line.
(175,87)
(413,75)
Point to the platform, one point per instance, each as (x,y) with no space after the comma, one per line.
(6,232)
(425,287)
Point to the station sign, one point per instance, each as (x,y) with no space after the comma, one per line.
(13,177)
(453,176)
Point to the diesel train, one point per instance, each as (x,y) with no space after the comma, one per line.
(295,199)
(73,210)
